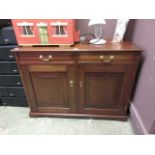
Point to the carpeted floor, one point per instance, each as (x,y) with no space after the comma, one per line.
(15,120)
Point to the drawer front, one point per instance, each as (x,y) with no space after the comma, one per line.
(14,101)
(5,101)
(19,101)
(15,91)
(3,91)
(106,58)
(8,68)
(6,54)
(46,57)
(12,91)
(10,80)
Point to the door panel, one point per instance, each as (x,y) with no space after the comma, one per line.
(49,89)
(102,89)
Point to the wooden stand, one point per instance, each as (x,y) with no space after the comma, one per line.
(91,81)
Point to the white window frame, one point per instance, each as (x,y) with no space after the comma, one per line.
(25,24)
(59,24)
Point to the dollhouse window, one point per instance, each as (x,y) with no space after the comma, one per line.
(43,33)
(59,29)
(26,29)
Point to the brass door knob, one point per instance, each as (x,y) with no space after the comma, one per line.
(81,84)
(71,83)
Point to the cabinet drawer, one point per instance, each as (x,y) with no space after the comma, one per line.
(8,68)
(10,80)
(14,101)
(15,91)
(19,101)
(106,58)
(5,101)
(45,57)
(12,91)
(3,91)
(6,54)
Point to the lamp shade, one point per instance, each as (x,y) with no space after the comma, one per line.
(96,21)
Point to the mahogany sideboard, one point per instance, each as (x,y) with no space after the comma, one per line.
(93,81)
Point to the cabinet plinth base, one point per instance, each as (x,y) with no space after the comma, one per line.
(114,117)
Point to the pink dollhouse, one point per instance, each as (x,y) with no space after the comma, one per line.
(45,31)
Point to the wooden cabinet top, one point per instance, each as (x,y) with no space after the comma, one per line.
(109,46)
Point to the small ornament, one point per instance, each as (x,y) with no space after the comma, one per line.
(120,29)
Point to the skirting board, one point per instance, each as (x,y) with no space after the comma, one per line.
(136,121)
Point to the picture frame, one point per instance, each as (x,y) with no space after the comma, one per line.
(120,29)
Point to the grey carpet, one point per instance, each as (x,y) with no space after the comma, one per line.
(15,120)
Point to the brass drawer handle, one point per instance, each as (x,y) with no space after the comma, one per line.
(101,57)
(45,59)
(71,83)
(108,60)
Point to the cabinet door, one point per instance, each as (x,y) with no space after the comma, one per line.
(104,90)
(50,88)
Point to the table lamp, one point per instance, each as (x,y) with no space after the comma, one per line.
(98,31)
